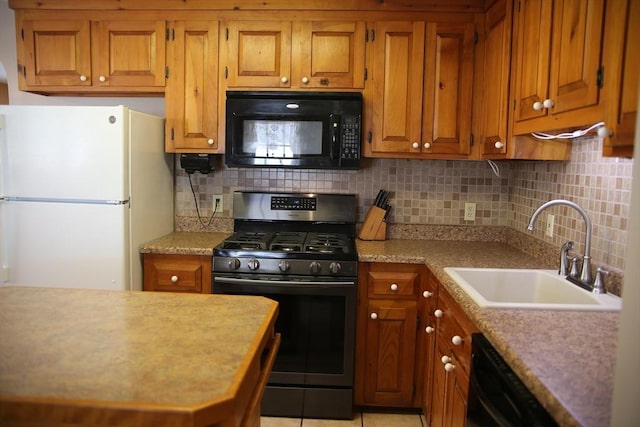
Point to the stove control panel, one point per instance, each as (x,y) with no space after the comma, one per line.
(286,203)
(251,265)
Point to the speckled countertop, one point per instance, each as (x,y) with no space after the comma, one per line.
(563,357)
(129,356)
(185,243)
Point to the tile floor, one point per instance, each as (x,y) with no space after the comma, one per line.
(360,419)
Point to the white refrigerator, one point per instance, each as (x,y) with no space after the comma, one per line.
(81,188)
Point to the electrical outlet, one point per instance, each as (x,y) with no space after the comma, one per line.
(550,222)
(217,203)
(469,211)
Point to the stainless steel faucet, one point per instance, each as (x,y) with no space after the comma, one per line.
(585,275)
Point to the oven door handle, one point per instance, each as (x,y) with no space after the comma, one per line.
(327,284)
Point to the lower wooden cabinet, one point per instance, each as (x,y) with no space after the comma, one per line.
(447,405)
(413,343)
(387,343)
(177,273)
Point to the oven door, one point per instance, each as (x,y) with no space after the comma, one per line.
(317,323)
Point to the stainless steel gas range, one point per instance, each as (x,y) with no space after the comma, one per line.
(299,249)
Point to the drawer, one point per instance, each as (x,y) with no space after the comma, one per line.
(389,284)
(177,273)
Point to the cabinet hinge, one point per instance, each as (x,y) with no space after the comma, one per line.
(172,134)
(514,105)
(22,69)
(600,77)
(226,72)
(370,35)
(471,140)
(366,74)
(226,33)
(22,33)
(369,137)
(166,34)
(475,37)
(166,72)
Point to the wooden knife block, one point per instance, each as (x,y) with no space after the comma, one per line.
(374,227)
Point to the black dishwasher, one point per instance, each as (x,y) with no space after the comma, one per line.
(497,397)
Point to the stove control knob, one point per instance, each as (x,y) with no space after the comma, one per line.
(234,264)
(315,267)
(284,265)
(335,267)
(253,264)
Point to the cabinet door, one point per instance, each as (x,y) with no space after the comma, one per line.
(257,54)
(439,388)
(456,396)
(391,335)
(192,88)
(328,54)
(448,89)
(495,87)
(575,53)
(56,53)
(396,96)
(129,53)
(531,73)
(622,65)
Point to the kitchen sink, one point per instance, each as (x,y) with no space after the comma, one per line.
(528,289)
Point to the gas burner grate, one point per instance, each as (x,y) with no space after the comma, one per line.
(326,243)
(288,242)
(248,241)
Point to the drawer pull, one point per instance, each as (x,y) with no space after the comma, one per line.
(449,367)
(429,329)
(456,340)
(394,287)
(427,294)
(174,279)
(445,359)
(438,313)
(374,316)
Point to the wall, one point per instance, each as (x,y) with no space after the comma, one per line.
(434,192)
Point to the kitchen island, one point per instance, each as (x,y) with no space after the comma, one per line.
(92,357)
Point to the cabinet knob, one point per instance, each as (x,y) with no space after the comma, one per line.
(547,103)
(210,141)
(102,79)
(427,294)
(284,79)
(537,105)
(449,367)
(498,144)
(83,78)
(415,145)
(429,329)
(604,132)
(427,145)
(456,340)
(445,359)
(374,316)
(438,313)
(394,287)
(305,80)
(174,279)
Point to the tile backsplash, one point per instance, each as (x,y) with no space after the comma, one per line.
(433,192)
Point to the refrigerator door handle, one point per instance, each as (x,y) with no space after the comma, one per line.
(74,201)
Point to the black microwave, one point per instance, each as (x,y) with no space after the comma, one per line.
(293,129)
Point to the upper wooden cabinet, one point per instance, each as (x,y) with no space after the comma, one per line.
(84,56)
(622,65)
(419,102)
(192,88)
(302,54)
(557,72)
